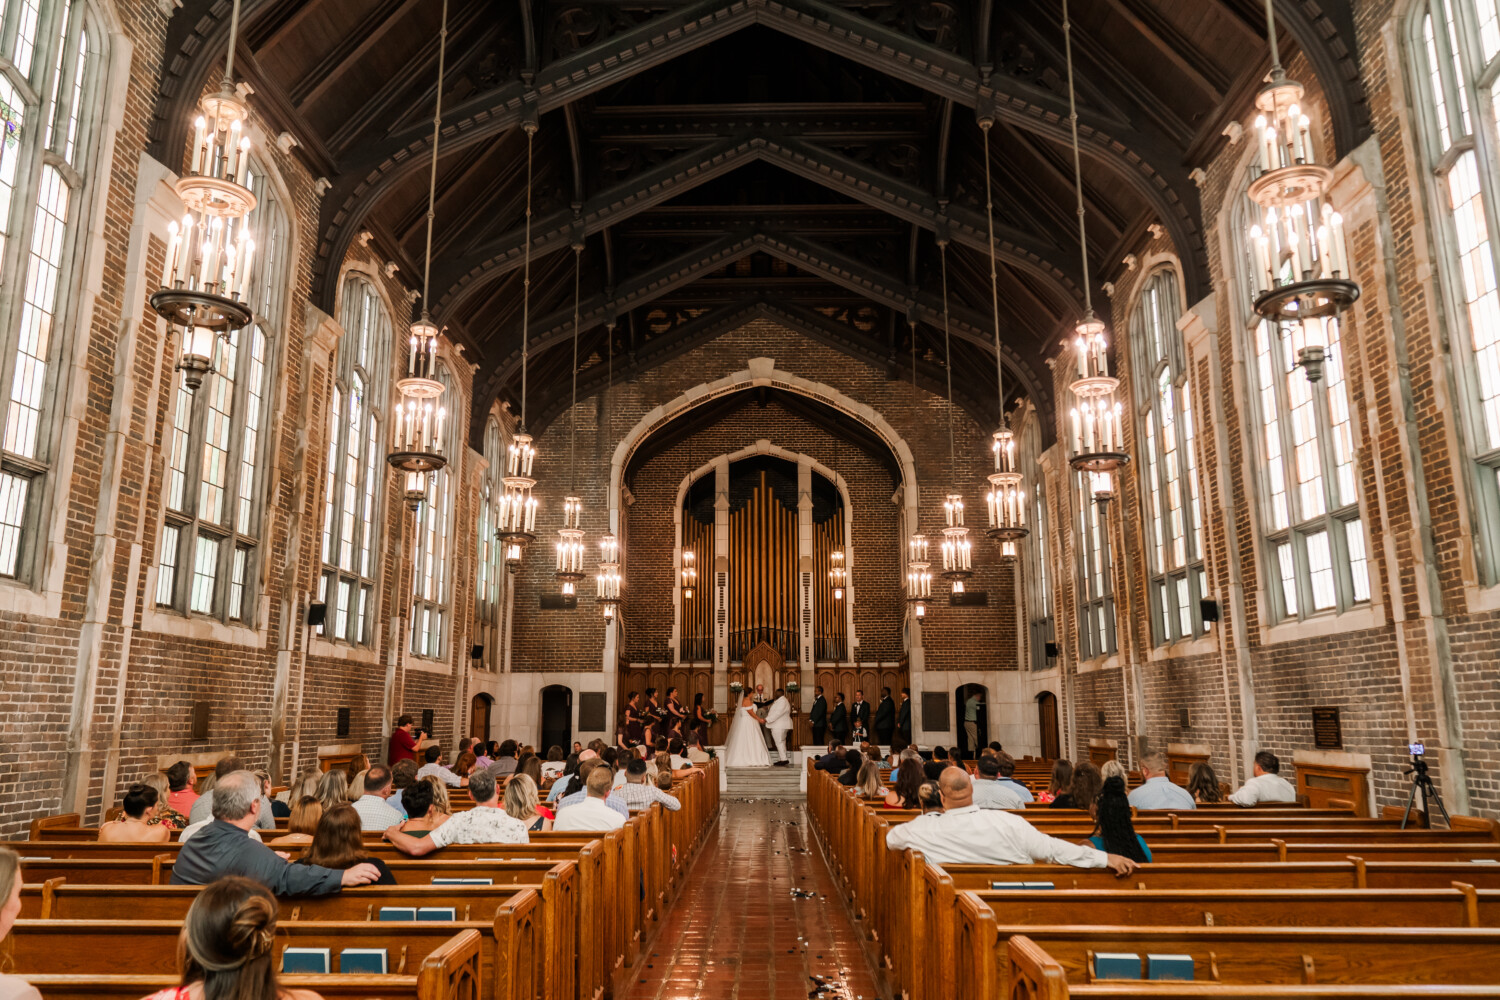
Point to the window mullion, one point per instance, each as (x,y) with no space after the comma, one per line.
(1444,46)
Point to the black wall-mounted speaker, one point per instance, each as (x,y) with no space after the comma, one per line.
(1102,722)
(477,653)
(1183,720)
(343,723)
(1052,650)
(1209,609)
(198,728)
(427,721)
(317,612)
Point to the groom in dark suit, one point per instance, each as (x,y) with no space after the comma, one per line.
(818,717)
(903,718)
(885,718)
(839,723)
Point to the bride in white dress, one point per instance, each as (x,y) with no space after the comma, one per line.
(745,746)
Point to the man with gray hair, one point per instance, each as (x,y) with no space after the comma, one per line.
(224,848)
(1158,791)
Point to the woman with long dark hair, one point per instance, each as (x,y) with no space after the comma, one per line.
(676,715)
(339,844)
(634,728)
(1203,784)
(700,719)
(1062,777)
(909,778)
(1114,833)
(1083,787)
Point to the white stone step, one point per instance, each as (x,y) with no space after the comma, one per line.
(763,782)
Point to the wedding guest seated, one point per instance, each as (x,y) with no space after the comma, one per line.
(222,848)
(677,749)
(403,776)
(12,987)
(524,803)
(592,813)
(228,946)
(852,761)
(374,808)
(638,794)
(1113,769)
(557,762)
(305,785)
(868,781)
(357,786)
(1114,833)
(696,754)
(833,762)
(664,780)
(1267,784)
(965,834)
(302,824)
(931,769)
(532,768)
(356,764)
(1007,765)
(434,766)
(181,795)
(467,765)
(466,744)
(505,761)
(134,827)
(333,789)
(486,823)
(928,799)
(1157,790)
(1083,787)
(1062,773)
(202,807)
(567,782)
(1203,784)
(991,791)
(338,844)
(585,770)
(908,782)
(426,807)
(165,815)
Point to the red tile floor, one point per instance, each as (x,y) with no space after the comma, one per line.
(737,932)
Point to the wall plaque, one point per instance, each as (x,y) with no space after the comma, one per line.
(591,712)
(934,711)
(1328,734)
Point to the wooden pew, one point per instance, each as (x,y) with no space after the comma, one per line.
(1035,975)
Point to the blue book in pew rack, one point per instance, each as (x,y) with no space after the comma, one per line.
(444,913)
(1007,885)
(1169,967)
(1117,965)
(313,960)
(463,881)
(398,913)
(362,961)
(1038,885)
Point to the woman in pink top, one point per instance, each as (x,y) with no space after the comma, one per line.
(227,944)
(180,781)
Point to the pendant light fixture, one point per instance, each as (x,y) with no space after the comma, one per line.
(517,505)
(1301,264)
(608,576)
(209,253)
(918,567)
(838,574)
(957,549)
(1006,499)
(417,435)
(570,535)
(1096,444)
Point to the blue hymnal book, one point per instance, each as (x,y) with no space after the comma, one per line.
(363,961)
(437,913)
(1117,965)
(463,881)
(1039,885)
(1169,967)
(305,960)
(1007,885)
(398,913)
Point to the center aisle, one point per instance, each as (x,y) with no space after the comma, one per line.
(738,931)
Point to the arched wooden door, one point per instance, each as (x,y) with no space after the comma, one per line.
(479,716)
(1046,707)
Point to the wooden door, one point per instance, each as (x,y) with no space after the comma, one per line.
(479,716)
(1046,707)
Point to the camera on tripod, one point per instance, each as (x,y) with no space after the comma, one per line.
(1421,781)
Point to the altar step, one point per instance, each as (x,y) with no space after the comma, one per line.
(763,783)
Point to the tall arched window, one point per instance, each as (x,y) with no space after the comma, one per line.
(1169,474)
(211,532)
(1455,53)
(1303,448)
(356,466)
(48,81)
(487,608)
(1096,601)
(430,583)
(1038,572)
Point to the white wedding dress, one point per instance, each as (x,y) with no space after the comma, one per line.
(745,746)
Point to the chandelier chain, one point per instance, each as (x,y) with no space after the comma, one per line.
(437,125)
(234,32)
(1276,70)
(1083,236)
(989,218)
(573,421)
(948,357)
(526,274)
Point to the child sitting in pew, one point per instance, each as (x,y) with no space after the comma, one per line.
(227,945)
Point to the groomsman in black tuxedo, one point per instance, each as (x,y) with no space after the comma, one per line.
(839,723)
(903,718)
(885,718)
(818,717)
(859,713)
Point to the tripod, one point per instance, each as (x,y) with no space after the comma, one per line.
(1421,780)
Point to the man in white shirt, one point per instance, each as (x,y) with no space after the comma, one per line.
(1158,791)
(965,834)
(992,793)
(612,800)
(1267,785)
(375,811)
(1007,765)
(591,814)
(639,793)
(434,767)
(486,823)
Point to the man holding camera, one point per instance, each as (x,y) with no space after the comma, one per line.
(403,742)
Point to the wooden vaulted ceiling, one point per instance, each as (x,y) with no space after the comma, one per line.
(718,160)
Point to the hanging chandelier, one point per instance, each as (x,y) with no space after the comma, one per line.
(417,436)
(689,574)
(1096,443)
(570,535)
(918,574)
(517,517)
(209,253)
(956,548)
(836,573)
(1301,276)
(608,576)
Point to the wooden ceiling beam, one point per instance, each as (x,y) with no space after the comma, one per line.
(351,48)
(1173,46)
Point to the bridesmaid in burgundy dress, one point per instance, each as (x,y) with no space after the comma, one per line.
(634,729)
(676,715)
